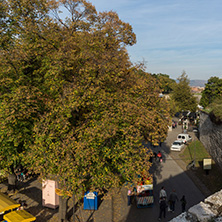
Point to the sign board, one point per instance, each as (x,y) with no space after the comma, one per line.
(207,164)
(90,195)
(90,201)
(144,188)
(147,187)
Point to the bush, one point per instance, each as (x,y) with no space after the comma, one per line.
(216,112)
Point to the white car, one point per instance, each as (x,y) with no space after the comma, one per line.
(186,138)
(177,145)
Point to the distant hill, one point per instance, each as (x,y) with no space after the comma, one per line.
(197,82)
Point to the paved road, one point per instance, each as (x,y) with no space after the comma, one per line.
(167,174)
(171,176)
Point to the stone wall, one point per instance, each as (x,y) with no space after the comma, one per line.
(210,209)
(211,137)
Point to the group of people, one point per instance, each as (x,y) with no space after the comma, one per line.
(18,174)
(170,202)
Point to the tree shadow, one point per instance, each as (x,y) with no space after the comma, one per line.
(30,192)
(79,207)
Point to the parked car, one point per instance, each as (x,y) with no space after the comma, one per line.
(177,145)
(195,130)
(186,138)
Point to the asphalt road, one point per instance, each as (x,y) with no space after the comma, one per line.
(167,174)
(171,176)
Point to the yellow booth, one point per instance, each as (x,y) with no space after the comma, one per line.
(19,216)
(7,204)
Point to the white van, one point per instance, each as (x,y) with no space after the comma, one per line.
(186,138)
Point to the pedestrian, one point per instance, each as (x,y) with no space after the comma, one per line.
(159,155)
(163,193)
(129,193)
(155,155)
(183,203)
(163,206)
(172,200)
(23,205)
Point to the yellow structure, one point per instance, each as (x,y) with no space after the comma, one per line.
(7,203)
(19,216)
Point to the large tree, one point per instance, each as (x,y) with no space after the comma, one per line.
(182,95)
(72,104)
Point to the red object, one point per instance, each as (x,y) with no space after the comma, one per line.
(159,155)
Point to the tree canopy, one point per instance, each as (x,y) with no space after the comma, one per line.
(212,91)
(182,95)
(166,83)
(212,98)
(71,102)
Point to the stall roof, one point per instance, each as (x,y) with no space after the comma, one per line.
(7,203)
(19,216)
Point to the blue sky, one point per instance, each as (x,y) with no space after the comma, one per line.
(173,35)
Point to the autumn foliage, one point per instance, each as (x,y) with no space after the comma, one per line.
(72,103)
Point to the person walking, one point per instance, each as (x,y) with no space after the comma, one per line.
(129,193)
(163,193)
(172,200)
(183,203)
(159,155)
(163,206)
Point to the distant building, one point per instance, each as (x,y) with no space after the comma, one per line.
(196,89)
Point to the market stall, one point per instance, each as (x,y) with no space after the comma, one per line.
(144,193)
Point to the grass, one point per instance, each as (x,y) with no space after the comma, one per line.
(196,150)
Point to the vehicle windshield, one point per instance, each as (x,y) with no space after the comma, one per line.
(176,143)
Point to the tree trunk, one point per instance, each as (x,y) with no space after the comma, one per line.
(63,204)
(11,182)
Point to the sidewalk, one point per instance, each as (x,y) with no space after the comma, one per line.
(30,191)
(113,208)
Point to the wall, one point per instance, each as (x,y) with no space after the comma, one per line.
(211,137)
(208,211)
(211,208)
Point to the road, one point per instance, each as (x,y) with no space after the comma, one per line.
(167,174)
(171,176)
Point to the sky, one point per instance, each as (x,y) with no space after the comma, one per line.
(173,35)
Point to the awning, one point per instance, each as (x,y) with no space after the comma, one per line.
(6,203)
(19,216)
